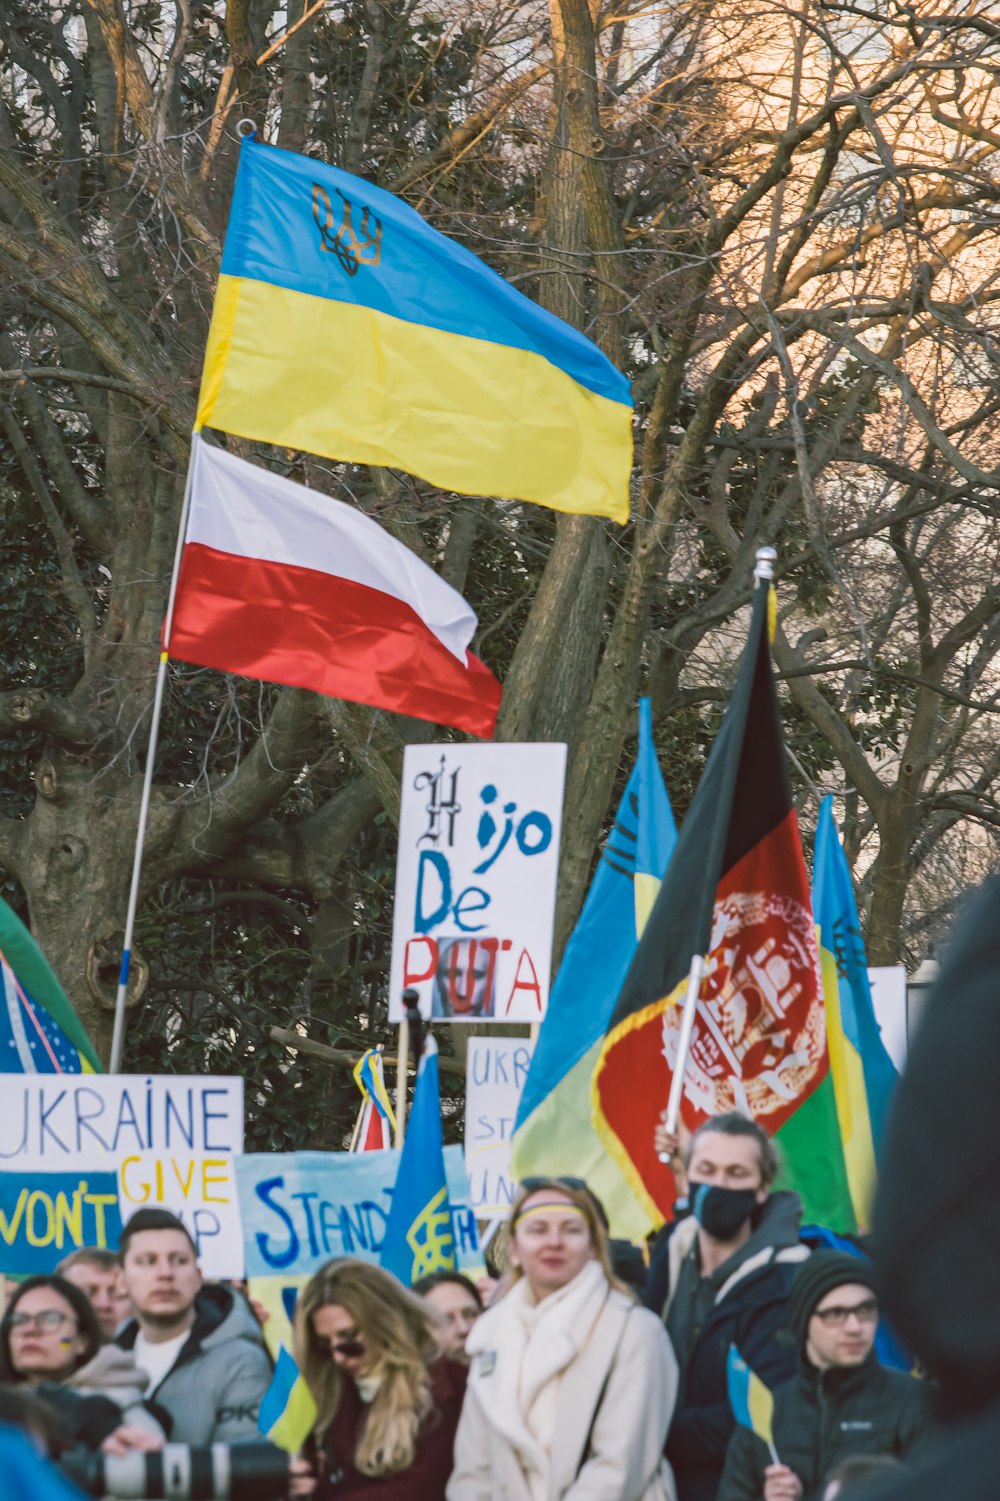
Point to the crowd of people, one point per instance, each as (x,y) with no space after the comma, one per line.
(570,1376)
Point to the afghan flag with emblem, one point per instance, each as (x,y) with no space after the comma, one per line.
(736,891)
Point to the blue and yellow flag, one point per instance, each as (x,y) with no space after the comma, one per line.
(346,326)
(554,1131)
(40,1033)
(370,1079)
(752,1402)
(419,1237)
(287,1410)
(863,1073)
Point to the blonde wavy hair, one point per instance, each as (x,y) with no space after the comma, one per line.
(581,1198)
(399,1331)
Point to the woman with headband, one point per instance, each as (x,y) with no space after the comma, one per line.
(50,1340)
(387,1400)
(572,1385)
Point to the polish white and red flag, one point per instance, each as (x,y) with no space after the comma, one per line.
(282,583)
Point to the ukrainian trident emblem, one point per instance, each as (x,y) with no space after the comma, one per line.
(353,247)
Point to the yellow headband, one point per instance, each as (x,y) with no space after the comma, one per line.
(550,1205)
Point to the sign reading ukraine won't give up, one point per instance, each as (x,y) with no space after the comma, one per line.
(79,1154)
(476,880)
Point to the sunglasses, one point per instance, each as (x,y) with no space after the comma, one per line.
(349,1348)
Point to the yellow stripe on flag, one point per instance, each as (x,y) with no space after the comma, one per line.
(393,392)
(851,1095)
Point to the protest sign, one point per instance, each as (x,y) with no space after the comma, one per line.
(888,988)
(299,1209)
(79,1154)
(476,880)
(495,1073)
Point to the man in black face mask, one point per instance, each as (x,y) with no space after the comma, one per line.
(720,1274)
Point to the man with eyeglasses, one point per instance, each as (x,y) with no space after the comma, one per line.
(841,1403)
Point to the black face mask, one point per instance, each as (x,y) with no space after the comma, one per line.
(721,1212)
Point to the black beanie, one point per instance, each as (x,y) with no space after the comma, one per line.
(824,1271)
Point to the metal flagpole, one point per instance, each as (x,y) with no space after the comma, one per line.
(118,1036)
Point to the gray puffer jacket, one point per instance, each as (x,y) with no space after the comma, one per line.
(212,1391)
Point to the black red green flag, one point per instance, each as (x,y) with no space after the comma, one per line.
(737,892)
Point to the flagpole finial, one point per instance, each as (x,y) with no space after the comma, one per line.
(764,564)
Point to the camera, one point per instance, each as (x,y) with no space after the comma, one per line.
(221,1472)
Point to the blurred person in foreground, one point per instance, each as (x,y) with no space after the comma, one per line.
(387,1399)
(720,1273)
(861,1472)
(50,1342)
(936,1237)
(457,1303)
(841,1403)
(200,1346)
(572,1383)
(98,1275)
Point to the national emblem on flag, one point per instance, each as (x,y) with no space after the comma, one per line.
(419,1236)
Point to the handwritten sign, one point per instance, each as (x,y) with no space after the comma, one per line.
(496,1069)
(79,1154)
(300,1209)
(476,880)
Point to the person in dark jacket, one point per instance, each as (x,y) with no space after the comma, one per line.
(718,1276)
(841,1402)
(937,1210)
(387,1400)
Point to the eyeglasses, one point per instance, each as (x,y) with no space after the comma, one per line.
(836,1318)
(48,1318)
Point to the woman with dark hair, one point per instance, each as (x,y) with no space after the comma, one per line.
(457,1304)
(50,1339)
(387,1400)
(572,1384)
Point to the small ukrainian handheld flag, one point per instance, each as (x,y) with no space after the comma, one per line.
(419,1237)
(752,1402)
(346,326)
(287,1411)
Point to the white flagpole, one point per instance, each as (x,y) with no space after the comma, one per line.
(118,1036)
(695,974)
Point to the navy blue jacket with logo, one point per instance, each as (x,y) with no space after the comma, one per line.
(823,1417)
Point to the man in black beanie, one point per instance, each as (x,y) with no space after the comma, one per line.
(841,1403)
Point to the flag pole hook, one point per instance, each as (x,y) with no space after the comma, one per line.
(695,975)
(118,1036)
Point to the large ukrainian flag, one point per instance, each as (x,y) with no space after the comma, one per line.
(864,1076)
(346,326)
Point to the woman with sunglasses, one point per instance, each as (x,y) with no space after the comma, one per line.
(572,1384)
(50,1340)
(387,1400)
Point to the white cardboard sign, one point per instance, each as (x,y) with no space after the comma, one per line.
(476,880)
(496,1069)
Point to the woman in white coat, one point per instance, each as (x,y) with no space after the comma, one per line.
(572,1385)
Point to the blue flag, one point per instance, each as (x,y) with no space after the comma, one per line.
(419,1237)
(554,1133)
(863,1073)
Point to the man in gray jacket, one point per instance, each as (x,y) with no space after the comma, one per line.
(200,1345)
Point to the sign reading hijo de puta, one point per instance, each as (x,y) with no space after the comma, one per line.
(476,880)
(79,1154)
